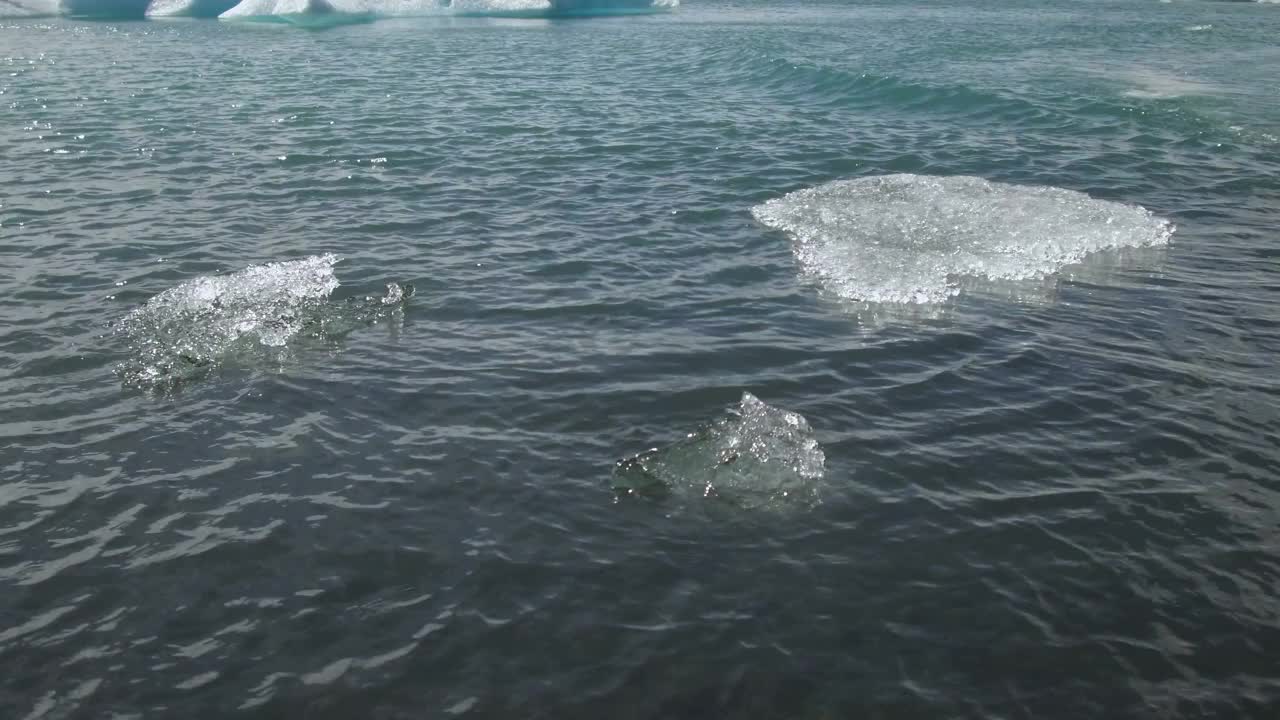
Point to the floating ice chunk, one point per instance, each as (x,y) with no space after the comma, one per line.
(395,293)
(192,326)
(918,239)
(189,329)
(756,457)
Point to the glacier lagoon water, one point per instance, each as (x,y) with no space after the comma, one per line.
(1041,482)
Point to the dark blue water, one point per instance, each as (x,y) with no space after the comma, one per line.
(1032,470)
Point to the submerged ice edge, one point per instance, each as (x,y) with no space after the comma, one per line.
(918,239)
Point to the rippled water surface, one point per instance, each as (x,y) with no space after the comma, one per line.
(1047,486)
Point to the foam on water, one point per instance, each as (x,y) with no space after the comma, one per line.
(919,239)
(190,329)
(757,456)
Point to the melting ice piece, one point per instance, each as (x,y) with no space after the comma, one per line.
(758,456)
(190,329)
(917,238)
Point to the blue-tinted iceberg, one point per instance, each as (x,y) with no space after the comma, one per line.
(756,457)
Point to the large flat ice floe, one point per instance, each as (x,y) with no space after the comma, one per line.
(918,238)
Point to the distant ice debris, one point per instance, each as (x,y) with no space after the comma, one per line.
(758,456)
(190,329)
(557,7)
(311,12)
(314,13)
(592,7)
(920,239)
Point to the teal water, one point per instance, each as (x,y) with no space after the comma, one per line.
(998,278)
